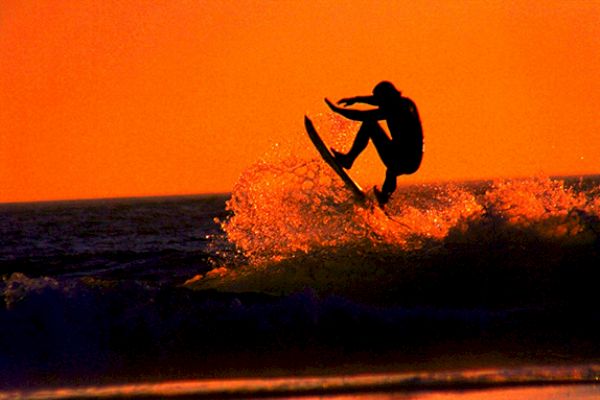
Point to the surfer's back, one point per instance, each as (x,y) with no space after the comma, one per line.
(404,123)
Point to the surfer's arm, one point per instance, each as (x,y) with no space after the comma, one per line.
(356,115)
(358,99)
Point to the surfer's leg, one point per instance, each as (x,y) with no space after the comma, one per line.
(368,130)
(389,186)
(384,146)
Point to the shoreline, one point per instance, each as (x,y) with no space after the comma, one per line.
(274,387)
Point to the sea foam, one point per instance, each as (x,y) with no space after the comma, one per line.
(297,226)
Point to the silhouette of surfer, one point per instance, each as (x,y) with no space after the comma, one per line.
(403,152)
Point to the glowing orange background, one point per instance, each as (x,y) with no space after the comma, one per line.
(121,98)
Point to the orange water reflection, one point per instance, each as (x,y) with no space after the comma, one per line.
(547,383)
(586,392)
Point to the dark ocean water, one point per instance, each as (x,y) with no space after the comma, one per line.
(295,278)
(83,282)
(155,240)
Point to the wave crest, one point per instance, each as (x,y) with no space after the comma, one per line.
(296,206)
(297,226)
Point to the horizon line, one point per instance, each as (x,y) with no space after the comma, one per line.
(152,197)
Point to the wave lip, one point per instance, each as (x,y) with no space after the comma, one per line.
(506,243)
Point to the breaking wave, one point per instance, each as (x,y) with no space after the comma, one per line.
(296,226)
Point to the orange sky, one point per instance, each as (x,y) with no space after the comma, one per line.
(126,98)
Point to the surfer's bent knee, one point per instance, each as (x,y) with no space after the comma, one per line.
(406,167)
(370,125)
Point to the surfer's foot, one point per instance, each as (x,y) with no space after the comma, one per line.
(342,159)
(382,198)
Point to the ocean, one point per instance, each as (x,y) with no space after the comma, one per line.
(286,277)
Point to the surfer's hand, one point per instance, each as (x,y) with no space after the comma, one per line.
(346,102)
(331,105)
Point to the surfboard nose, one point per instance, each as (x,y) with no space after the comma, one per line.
(359,194)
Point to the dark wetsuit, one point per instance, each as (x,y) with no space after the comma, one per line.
(403,152)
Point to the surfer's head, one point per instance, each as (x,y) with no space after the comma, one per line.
(385,91)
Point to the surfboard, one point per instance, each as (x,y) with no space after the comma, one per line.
(328,157)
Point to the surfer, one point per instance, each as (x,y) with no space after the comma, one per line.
(402,153)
